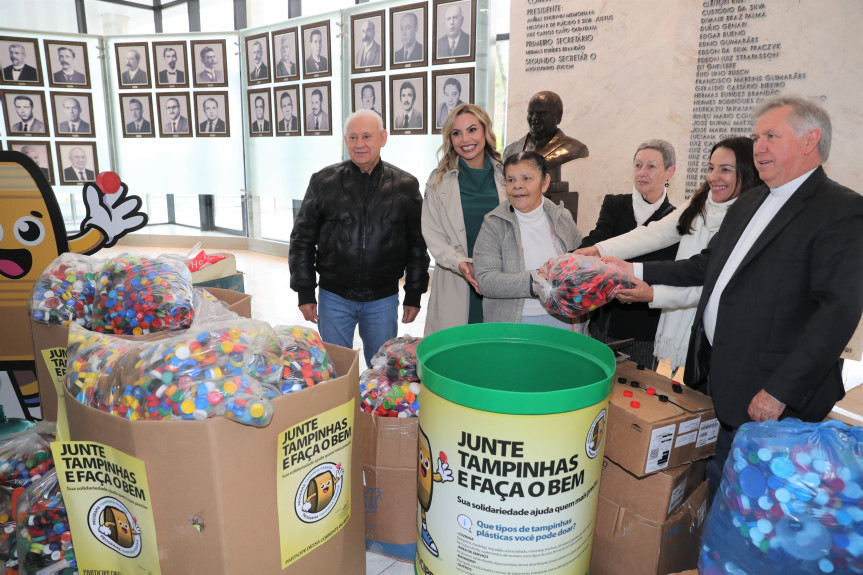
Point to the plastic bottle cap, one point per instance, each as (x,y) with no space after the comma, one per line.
(676,387)
(627,393)
(634,383)
(621,380)
(663,398)
(650,391)
(635,404)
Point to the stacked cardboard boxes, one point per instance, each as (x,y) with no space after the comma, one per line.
(652,495)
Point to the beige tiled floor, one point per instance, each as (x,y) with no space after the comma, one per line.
(266,278)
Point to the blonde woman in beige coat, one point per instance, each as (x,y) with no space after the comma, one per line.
(467,184)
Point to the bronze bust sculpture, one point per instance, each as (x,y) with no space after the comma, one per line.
(544,113)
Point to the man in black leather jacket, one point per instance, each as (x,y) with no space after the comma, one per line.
(359,229)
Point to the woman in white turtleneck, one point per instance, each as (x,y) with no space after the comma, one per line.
(516,239)
(731,171)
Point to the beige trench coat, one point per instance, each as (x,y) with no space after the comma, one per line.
(444,232)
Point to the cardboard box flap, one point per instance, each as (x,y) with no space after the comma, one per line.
(649,410)
(688,399)
(692,513)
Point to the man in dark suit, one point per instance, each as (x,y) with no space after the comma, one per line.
(411,50)
(78,171)
(28,123)
(315,62)
(210,74)
(781,281)
(171,75)
(260,71)
(133,75)
(317,120)
(18,70)
(213,124)
(455,42)
(286,67)
(177,123)
(288,123)
(261,125)
(409,118)
(139,124)
(73,124)
(35,154)
(67,73)
(368,51)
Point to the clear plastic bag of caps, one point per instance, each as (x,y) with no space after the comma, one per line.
(66,290)
(373,383)
(208,308)
(574,284)
(383,397)
(305,361)
(213,370)
(398,356)
(44,539)
(8,541)
(138,295)
(790,502)
(24,457)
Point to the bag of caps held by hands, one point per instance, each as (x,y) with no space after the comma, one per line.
(222,369)
(790,502)
(138,295)
(66,290)
(390,387)
(24,457)
(305,361)
(44,539)
(574,284)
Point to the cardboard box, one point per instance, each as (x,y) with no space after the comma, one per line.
(850,408)
(657,435)
(220,269)
(222,475)
(52,337)
(656,496)
(627,544)
(390,482)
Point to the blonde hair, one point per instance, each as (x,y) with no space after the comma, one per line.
(447,156)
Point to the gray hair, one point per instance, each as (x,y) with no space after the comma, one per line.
(669,158)
(364,114)
(805,116)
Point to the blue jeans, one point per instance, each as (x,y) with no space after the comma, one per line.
(338,318)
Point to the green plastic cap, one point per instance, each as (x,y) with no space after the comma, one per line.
(514,368)
(13,425)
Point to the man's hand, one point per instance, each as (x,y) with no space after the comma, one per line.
(466,269)
(641,292)
(764,407)
(589,251)
(625,266)
(310,312)
(409,313)
(112,214)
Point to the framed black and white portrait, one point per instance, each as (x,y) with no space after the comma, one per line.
(408,107)
(285,50)
(212,114)
(257,59)
(172,64)
(454,31)
(289,119)
(317,105)
(449,89)
(25,113)
(175,119)
(367,41)
(73,114)
(369,94)
(133,64)
(316,50)
(208,63)
(20,61)
(39,152)
(409,30)
(136,112)
(260,113)
(78,162)
(68,65)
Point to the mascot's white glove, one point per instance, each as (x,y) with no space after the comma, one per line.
(112,214)
(444,470)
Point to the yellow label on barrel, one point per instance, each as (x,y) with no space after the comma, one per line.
(505,494)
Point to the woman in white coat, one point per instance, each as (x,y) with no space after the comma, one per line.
(731,171)
(466,185)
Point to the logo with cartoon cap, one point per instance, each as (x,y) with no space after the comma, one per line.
(113,525)
(318,492)
(595,434)
(425,485)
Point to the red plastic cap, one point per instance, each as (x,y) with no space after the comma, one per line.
(627,393)
(108,182)
(650,391)
(635,404)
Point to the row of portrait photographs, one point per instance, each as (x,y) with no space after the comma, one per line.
(77,160)
(21,63)
(26,114)
(175,118)
(171,64)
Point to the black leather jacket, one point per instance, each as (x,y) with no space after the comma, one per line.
(361,233)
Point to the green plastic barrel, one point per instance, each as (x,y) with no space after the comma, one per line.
(512,428)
